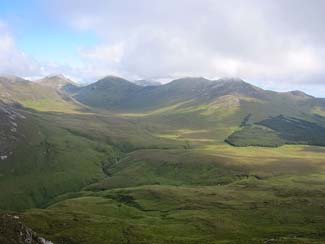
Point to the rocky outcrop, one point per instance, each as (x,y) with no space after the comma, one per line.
(14,231)
(9,126)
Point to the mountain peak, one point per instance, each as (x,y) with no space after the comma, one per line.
(146,83)
(231,79)
(301,94)
(56,81)
(235,86)
(12,78)
(112,77)
(56,76)
(190,82)
(191,79)
(111,81)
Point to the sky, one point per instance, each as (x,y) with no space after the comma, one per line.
(275,44)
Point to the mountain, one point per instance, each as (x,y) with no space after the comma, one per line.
(15,89)
(12,79)
(110,91)
(50,145)
(219,106)
(55,81)
(47,93)
(216,105)
(10,123)
(146,83)
(113,92)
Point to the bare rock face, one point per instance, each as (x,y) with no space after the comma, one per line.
(9,129)
(13,231)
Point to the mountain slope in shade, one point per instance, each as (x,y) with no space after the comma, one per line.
(117,93)
(110,91)
(114,93)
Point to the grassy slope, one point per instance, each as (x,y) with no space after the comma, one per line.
(48,162)
(59,152)
(273,194)
(276,131)
(35,95)
(255,136)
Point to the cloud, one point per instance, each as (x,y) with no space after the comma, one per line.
(280,40)
(13,60)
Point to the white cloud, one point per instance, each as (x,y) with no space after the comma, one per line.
(257,40)
(13,60)
(105,53)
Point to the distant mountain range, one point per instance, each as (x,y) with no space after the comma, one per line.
(114,92)
(229,102)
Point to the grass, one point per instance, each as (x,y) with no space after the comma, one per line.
(215,194)
(248,211)
(47,163)
(60,152)
(50,105)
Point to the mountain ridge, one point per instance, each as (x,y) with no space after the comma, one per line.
(117,93)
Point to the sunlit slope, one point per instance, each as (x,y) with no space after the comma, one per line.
(51,145)
(215,195)
(55,153)
(43,95)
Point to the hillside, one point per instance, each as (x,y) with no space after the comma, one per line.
(108,92)
(43,94)
(220,107)
(55,81)
(117,93)
(114,162)
(188,104)
(13,231)
(276,131)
